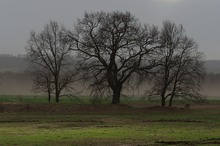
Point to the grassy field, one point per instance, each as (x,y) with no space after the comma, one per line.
(37,123)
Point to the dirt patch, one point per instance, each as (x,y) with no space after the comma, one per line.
(159,108)
(206,107)
(215,141)
(175,120)
(177,143)
(9,103)
(67,109)
(108,126)
(89,109)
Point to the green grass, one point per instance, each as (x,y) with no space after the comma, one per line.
(30,99)
(57,134)
(23,99)
(152,127)
(64,99)
(113,125)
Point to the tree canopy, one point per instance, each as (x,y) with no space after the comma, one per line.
(114,49)
(180,66)
(51,60)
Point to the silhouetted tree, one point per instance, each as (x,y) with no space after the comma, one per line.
(51,60)
(43,82)
(114,48)
(181,66)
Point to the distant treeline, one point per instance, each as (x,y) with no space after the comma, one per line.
(211,78)
(11,63)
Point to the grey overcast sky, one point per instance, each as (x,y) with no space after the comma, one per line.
(200,18)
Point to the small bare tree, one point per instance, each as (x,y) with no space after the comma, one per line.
(43,82)
(114,48)
(51,60)
(181,67)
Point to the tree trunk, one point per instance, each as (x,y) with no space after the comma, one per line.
(57,97)
(173,92)
(116,94)
(163,102)
(57,92)
(171,101)
(49,97)
(163,98)
(49,93)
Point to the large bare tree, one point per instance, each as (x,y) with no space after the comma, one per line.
(181,67)
(51,60)
(114,49)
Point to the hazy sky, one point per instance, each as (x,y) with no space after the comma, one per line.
(200,18)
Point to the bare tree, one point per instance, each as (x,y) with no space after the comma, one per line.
(51,60)
(43,82)
(181,67)
(114,48)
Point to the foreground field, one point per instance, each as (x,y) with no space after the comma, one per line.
(104,124)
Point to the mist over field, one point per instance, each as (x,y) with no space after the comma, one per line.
(15,78)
